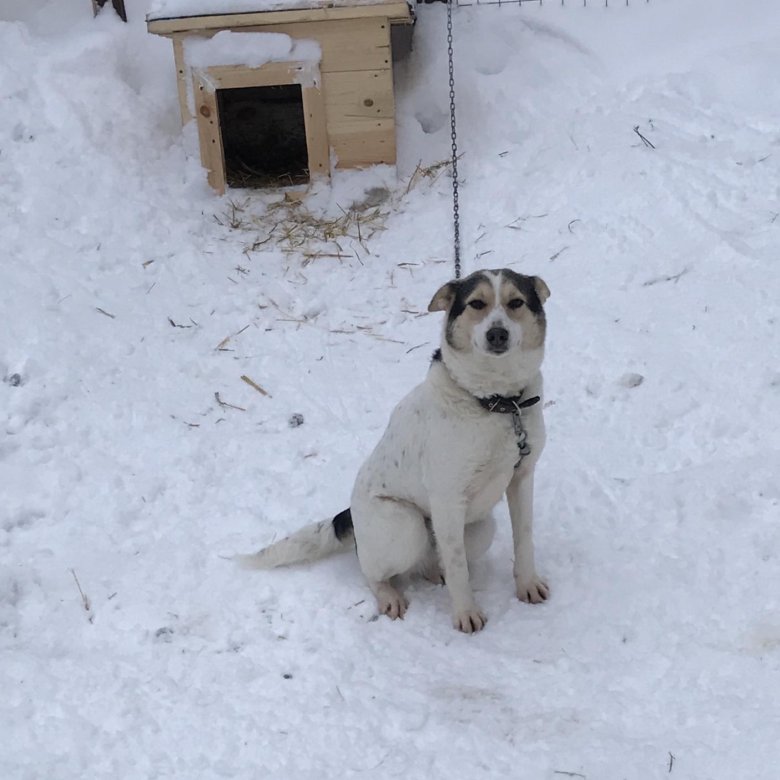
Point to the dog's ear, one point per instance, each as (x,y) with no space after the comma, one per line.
(542,290)
(443,299)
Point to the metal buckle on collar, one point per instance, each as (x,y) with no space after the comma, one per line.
(523,448)
(507,404)
(513,405)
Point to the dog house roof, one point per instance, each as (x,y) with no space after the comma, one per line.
(176,9)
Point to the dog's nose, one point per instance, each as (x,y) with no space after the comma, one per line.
(497,338)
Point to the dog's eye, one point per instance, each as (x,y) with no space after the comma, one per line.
(515,303)
(477,304)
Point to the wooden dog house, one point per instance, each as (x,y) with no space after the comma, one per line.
(283,89)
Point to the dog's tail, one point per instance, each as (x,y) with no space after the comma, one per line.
(312,542)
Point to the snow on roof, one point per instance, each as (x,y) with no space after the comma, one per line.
(252,50)
(174,9)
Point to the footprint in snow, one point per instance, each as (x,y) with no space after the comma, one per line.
(431,119)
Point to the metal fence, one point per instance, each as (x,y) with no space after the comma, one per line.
(586,3)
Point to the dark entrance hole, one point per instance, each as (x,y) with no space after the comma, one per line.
(263,136)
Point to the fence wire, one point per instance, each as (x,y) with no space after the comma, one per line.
(584,3)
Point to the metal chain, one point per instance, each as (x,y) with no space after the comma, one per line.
(454,138)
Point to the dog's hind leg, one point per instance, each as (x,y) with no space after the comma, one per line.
(391,539)
(478,537)
(389,600)
(429,567)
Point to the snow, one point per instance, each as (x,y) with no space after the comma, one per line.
(253,50)
(128,301)
(173,9)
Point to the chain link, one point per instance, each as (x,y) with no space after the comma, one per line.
(454,138)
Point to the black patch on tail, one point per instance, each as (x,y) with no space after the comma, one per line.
(342,525)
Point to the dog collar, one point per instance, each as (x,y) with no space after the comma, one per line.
(513,405)
(503,404)
(507,404)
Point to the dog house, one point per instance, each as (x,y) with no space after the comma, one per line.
(283,89)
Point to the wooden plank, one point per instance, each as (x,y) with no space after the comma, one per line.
(207,114)
(362,93)
(356,133)
(397,12)
(360,141)
(182,79)
(269,75)
(317,146)
(352,44)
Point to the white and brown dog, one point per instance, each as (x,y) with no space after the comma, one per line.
(472,431)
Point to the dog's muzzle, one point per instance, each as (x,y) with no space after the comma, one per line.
(497,340)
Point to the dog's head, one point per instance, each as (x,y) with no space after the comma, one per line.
(496,313)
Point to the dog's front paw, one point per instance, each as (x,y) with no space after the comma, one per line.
(469,621)
(533,590)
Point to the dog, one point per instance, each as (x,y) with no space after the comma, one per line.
(471,432)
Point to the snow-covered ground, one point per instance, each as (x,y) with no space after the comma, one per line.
(130,295)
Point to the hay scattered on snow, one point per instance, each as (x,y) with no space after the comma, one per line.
(287,224)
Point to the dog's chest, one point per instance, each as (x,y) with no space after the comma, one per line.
(493,459)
